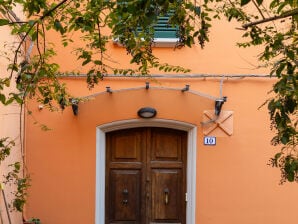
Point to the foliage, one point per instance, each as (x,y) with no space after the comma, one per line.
(38,77)
(15,175)
(35,221)
(274,29)
(16,178)
(5,148)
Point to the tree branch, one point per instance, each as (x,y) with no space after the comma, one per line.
(31,27)
(258,8)
(47,13)
(284,15)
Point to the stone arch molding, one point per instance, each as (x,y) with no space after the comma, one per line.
(133,123)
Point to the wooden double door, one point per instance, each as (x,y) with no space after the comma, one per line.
(146,176)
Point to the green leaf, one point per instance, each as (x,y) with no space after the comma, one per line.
(58,26)
(290,104)
(17,166)
(285,140)
(9,101)
(4,22)
(85,62)
(244,2)
(198,10)
(98,62)
(2,98)
(291,176)
(277,155)
(34,36)
(281,6)
(291,55)
(280,69)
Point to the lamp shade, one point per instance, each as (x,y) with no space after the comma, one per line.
(147,112)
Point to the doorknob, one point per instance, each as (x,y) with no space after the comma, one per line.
(166,193)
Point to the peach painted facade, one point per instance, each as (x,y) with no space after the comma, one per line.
(228,183)
(9,126)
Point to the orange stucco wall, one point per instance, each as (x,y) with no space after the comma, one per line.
(219,56)
(234,183)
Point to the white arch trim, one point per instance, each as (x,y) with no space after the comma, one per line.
(133,123)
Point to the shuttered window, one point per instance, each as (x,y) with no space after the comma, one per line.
(163,29)
(165,34)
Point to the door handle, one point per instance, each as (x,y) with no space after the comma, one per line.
(125,197)
(166,194)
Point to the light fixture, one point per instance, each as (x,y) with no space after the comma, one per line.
(218,105)
(109,90)
(186,88)
(75,106)
(147,112)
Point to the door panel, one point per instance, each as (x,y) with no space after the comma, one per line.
(126,146)
(166,195)
(125,195)
(146,176)
(166,145)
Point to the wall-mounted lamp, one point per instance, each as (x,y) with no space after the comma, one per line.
(75,106)
(147,85)
(147,112)
(109,90)
(218,105)
(186,88)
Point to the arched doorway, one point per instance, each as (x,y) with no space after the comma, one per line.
(102,133)
(146,176)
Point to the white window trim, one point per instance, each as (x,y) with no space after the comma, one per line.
(157,42)
(125,124)
(165,42)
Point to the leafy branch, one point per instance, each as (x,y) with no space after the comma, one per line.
(290,13)
(132,23)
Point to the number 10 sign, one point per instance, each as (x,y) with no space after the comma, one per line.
(209,140)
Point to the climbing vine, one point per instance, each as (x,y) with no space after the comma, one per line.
(272,26)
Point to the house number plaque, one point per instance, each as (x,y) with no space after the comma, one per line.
(209,140)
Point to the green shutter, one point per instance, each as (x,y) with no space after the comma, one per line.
(164,30)
(165,34)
